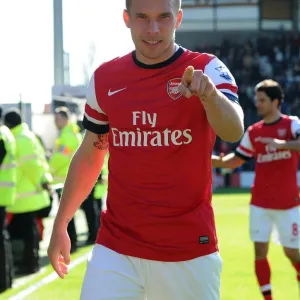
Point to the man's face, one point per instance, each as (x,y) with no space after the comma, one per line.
(60,121)
(265,106)
(153,24)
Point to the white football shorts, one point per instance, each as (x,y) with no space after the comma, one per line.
(285,223)
(114,276)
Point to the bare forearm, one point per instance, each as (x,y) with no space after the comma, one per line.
(230,161)
(216,161)
(225,117)
(291,145)
(82,175)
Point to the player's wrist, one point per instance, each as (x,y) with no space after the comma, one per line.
(211,99)
(61,223)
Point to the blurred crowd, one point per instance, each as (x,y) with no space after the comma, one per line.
(276,57)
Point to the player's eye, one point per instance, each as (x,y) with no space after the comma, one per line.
(165,16)
(140,16)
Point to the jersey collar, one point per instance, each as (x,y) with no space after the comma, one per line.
(163,64)
(274,122)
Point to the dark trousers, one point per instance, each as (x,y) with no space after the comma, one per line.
(6,257)
(71,228)
(90,209)
(24,227)
(227,180)
(99,204)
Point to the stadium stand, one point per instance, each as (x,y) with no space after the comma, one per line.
(260,58)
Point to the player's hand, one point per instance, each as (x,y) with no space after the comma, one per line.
(196,83)
(59,251)
(272,143)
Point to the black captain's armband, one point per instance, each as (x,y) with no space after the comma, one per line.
(95,128)
(241,156)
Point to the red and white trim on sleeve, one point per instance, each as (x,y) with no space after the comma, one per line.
(93,111)
(95,119)
(95,116)
(244,151)
(228,88)
(295,126)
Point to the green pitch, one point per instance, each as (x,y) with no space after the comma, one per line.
(238,279)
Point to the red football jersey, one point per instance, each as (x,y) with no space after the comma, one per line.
(160,144)
(275,184)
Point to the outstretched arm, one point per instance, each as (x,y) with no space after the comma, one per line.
(243,152)
(293,145)
(217,90)
(230,161)
(225,117)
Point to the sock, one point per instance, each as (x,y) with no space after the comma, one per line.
(297,268)
(263,274)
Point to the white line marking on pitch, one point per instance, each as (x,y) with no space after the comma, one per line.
(32,288)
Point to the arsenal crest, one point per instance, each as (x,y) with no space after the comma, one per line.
(172,88)
(281,132)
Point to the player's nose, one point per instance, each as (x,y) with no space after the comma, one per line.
(153,28)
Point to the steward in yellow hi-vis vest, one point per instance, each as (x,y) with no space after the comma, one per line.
(7,197)
(30,193)
(7,168)
(66,145)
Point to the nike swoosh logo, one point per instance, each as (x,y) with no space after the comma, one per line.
(110,93)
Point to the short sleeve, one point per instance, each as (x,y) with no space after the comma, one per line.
(295,127)
(95,119)
(222,78)
(245,149)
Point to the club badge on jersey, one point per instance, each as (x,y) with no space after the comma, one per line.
(282,132)
(172,88)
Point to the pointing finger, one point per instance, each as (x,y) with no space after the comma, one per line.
(187,77)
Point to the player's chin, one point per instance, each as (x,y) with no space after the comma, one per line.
(260,113)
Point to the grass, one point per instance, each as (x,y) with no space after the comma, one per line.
(238,278)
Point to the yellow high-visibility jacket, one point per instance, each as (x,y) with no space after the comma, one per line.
(8,172)
(30,195)
(66,145)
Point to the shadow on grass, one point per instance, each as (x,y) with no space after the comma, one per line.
(231,191)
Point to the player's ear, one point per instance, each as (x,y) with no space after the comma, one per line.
(126,18)
(276,102)
(179,18)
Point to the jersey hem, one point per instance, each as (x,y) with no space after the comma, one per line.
(158,257)
(272,207)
